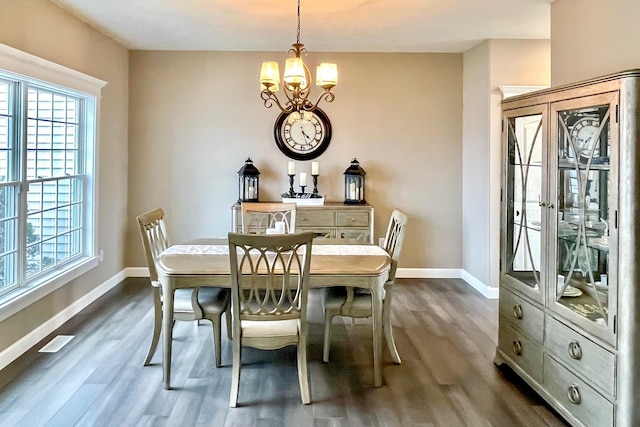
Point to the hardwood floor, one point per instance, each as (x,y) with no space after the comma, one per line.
(446,335)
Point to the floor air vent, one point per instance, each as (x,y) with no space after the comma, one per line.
(56,344)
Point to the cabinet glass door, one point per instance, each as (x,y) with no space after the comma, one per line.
(585,196)
(524,195)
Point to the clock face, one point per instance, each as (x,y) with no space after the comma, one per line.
(585,136)
(303,136)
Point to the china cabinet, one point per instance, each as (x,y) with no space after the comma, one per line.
(569,279)
(331,220)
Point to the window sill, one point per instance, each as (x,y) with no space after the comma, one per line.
(22,298)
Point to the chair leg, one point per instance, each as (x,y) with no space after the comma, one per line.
(388,330)
(328,317)
(217,336)
(227,320)
(303,375)
(235,373)
(157,325)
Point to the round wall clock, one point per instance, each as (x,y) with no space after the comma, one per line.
(302,136)
(585,136)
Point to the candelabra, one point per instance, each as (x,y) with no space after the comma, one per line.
(302,187)
(292,194)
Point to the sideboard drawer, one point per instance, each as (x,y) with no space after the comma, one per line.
(354,233)
(315,218)
(582,401)
(331,220)
(322,233)
(526,316)
(353,219)
(521,350)
(581,355)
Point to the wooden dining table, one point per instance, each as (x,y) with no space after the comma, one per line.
(205,262)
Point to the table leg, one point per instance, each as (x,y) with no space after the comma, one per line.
(377,335)
(167,334)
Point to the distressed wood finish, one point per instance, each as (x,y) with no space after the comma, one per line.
(599,351)
(329,221)
(357,303)
(445,331)
(188,304)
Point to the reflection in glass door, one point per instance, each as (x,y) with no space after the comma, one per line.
(584,198)
(524,193)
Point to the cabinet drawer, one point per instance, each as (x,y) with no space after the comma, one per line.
(312,218)
(323,233)
(526,316)
(521,350)
(353,219)
(581,355)
(354,233)
(576,396)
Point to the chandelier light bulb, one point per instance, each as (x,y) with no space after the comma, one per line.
(327,75)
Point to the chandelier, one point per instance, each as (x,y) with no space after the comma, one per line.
(296,81)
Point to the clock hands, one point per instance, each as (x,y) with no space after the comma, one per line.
(306,137)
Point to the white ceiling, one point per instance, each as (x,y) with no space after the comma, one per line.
(326,25)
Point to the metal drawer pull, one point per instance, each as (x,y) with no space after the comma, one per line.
(575,351)
(517,311)
(517,347)
(303,218)
(573,393)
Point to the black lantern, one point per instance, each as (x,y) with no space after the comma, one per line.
(248,180)
(354,184)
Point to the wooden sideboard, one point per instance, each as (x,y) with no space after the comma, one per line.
(331,220)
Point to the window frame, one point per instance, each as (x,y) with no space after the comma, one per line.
(32,70)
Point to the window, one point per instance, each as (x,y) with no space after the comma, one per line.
(47,182)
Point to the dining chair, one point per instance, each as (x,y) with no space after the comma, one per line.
(189,303)
(269,287)
(257,218)
(357,302)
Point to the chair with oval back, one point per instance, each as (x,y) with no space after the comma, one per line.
(356,302)
(269,287)
(257,218)
(189,304)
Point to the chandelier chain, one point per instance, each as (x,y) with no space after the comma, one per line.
(298,33)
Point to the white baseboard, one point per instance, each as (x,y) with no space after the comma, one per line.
(25,343)
(137,272)
(429,273)
(488,292)
(20,347)
(448,273)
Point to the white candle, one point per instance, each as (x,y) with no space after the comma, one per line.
(303,178)
(279,227)
(352,191)
(292,168)
(315,168)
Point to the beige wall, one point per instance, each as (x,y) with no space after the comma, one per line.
(196,116)
(40,28)
(591,38)
(475,155)
(488,66)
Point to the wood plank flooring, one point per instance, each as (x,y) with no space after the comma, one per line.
(445,331)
